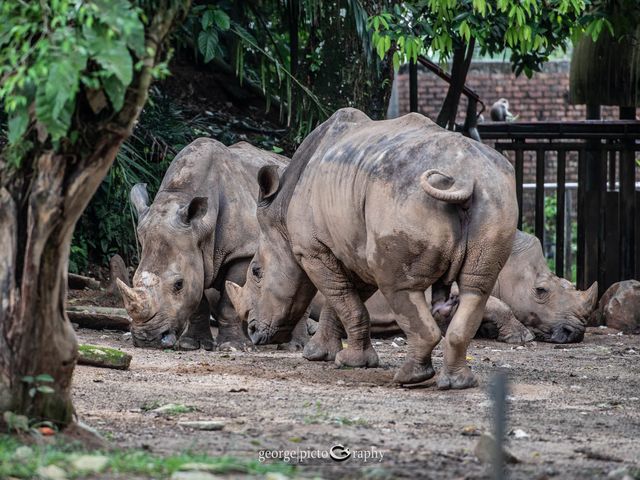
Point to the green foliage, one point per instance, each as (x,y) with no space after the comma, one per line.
(122,463)
(529,29)
(49,50)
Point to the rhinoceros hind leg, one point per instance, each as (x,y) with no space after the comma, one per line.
(423,334)
(327,340)
(455,372)
(198,332)
(347,300)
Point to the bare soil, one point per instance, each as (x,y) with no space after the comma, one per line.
(575,402)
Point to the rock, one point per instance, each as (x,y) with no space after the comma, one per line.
(518,434)
(619,307)
(200,467)
(208,425)
(90,463)
(194,475)
(485,447)
(23,453)
(51,472)
(620,474)
(117,270)
(400,341)
(275,476)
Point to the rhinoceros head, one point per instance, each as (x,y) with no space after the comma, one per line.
(277,291)
(168,284)
(549,306)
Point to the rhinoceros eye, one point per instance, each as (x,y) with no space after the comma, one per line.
(541,291)
(256,271)
(178,284)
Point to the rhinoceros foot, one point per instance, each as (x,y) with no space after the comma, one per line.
(320,349)
(518,336)
(414,372)
(193,343)
(292,346)
(352,357)
(456,380)
(230,344)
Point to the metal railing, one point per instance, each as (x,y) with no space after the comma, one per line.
(607,212)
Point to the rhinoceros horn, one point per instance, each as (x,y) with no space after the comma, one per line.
(136,301)
(235,295)
(590,297)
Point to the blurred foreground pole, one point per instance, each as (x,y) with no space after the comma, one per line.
(499,395)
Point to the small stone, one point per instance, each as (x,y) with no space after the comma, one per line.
(90,463)
(194,475)
(471,431)
(485,448)
(340,382)
(126,336)
(400,341)
(275,476)
(51,472)
(207,425)
(518,434)
(619,474)
(171,408)
(198,466)
(23,453)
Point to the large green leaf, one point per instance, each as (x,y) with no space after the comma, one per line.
(207,43)
(17,124)
(115,91)
(114,57)
(221,19)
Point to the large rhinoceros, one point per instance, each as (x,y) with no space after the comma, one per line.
(396,205)
(199,231)
(526,294)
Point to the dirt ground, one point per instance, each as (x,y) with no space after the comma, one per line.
(575,402)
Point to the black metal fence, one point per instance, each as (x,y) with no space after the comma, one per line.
(608,200)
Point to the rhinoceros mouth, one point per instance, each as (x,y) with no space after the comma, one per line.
(265,336)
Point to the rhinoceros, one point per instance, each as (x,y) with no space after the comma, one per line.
(200,230)
(527,297)
(396,205)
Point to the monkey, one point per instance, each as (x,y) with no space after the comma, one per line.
(500,111)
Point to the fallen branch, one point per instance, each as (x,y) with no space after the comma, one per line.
(79,282)
(103,357)
(99,318)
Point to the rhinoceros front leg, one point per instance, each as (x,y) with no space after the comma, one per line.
(328,275)
(230,331)
(198,332)
(327,341)
(500,323)
(423,334)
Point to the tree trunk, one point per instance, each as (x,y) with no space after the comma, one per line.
(40,204)
(460,67)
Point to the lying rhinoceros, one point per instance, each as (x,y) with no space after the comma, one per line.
(396,205)
(526,294)
(200,231)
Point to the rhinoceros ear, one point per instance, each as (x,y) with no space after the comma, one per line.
(269,181)
(139,198)
(196,209)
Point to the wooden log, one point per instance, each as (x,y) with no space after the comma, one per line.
(104,357)
(79,282)
(99,318)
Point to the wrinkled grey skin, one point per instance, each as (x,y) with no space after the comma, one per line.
(549,306)
(396,205)
(527,302)
(199,231)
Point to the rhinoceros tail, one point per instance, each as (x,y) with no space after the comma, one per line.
(440,187)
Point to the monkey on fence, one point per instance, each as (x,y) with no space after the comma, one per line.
(500,111)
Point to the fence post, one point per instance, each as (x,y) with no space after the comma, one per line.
(413,86)
(627,207)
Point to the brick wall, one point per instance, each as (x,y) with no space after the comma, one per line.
(544,97)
